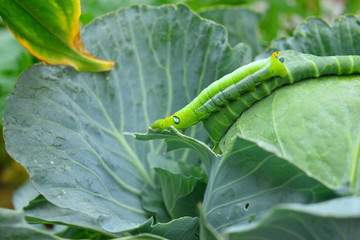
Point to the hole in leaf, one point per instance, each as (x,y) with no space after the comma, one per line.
(247,205)
(282,59)
(49,226)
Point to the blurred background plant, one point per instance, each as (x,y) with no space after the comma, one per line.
(278,18)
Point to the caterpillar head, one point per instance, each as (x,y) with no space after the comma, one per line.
(162,124)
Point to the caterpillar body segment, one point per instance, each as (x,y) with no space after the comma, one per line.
(219,93)
(299,66)
(218,123)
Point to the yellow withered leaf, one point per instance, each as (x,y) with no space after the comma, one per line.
(50,31)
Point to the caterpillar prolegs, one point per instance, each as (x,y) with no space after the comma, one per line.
(299,66)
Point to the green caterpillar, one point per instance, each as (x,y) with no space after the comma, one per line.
(220,92)
(220,104)
(299,66)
